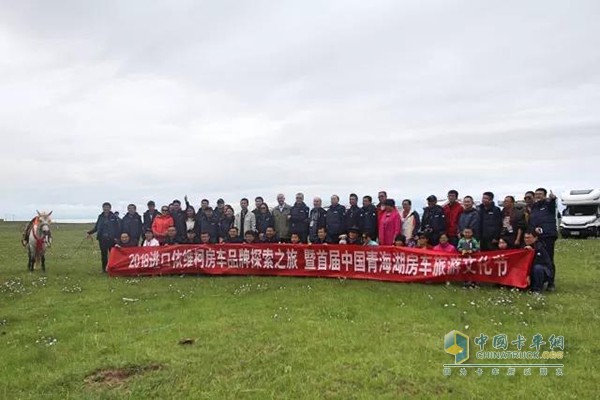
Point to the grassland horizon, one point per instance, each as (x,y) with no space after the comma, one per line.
(73,332)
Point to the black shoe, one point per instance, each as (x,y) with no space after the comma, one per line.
(551,287)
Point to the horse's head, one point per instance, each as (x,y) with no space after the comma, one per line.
(44,222)
(44,217)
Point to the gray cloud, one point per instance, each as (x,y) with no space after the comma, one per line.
(127,101)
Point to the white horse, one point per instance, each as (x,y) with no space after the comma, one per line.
(39,238)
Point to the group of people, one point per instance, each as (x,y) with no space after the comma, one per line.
(457,226)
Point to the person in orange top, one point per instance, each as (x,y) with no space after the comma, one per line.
(161,224)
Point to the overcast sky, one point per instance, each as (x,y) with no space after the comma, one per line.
(126,101)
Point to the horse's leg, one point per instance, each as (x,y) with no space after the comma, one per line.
(43,257)
(30,261)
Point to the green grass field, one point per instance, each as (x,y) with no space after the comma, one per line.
(271,337)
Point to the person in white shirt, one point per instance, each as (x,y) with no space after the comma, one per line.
(149,240)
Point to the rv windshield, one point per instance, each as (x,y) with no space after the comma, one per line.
(582,211)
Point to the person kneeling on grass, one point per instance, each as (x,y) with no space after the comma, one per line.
(149,240)
(541,272)
(423,242)
(191,238)
(125,241)
(172,237)
(295,238)
(368,240)
(445,245)
(249,237)
(233,236)
(400,241)
(467,244)
(205,238)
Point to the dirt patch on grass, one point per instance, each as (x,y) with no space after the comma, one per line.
(118,376)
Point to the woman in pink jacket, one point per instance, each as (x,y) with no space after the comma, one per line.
(389,224)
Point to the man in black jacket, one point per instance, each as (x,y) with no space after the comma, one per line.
(335,220)
(299,218)
(150,214)
(542,270)
(132,224)
(317,219)
(108,232)
(490,218)
(368,218)
(543,220)
(433,223)
(352,216)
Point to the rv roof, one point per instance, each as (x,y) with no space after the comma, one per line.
(582,191)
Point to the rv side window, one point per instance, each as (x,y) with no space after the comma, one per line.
(577,211)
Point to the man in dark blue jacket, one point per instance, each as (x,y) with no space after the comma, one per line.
(368,218)
(317,219)
(490,218)
(179,218)
(208,222)
(150,214)
(108,232)
(300,218)
(335,221)
(352,213)
(542,270)
(543,220)
(433,223)
(132,224)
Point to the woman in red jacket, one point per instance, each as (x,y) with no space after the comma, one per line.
(389,224)
(161,223)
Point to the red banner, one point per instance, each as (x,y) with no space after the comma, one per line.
(385,263)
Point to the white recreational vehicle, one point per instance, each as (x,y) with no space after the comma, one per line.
(581,217)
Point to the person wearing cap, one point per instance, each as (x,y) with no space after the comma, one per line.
(452,211)
(281,217)
(354,236)
(433,223)
(389,224)
(334,219)
(300,218)
(149,215)
(220,210)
